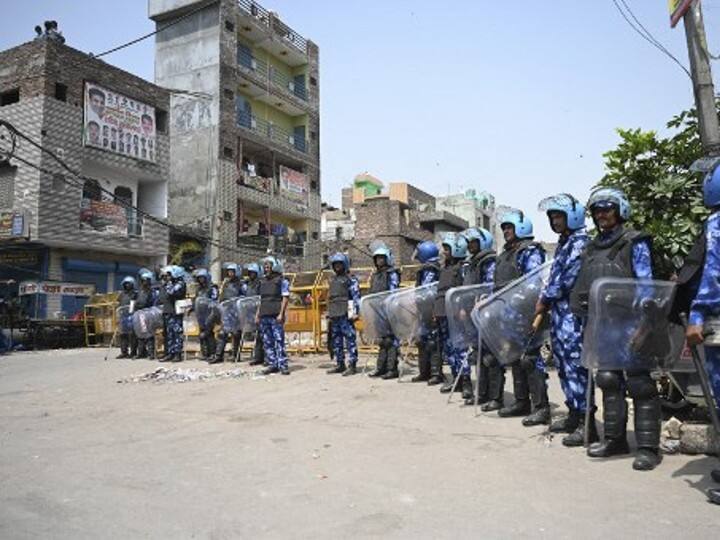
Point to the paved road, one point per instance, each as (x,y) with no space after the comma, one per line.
(305,456)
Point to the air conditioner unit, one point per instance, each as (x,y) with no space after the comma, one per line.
(291,86)
(253,123)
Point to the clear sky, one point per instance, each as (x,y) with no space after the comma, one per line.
(518,98)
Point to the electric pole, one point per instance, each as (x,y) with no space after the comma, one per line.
(702,80)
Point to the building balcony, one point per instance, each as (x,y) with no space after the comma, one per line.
(267,30)
(266,193)
(264,74)
(268,132)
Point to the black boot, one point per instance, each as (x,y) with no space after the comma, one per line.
(423,364)
(714,496)
(614,417)
(449,384)
(436,369)
(540,402)
(467,388)
(217,359)
(381,365)
(643,390)
(392,363)
(269,370)
(176,358)
(577,437)
(351,370)
(646,459)
(496,386)
(521,389)
(492,405)
(340,368)
(567,424)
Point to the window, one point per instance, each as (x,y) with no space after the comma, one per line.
(60,92)
(229,26)
(228,152)
(123,196)
(91,190)
(58,183)
(161,121)
(314,235)
(9,97)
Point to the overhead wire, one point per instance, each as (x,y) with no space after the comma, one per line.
(646,35)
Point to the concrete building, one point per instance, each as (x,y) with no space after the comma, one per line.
(245,128)
(477,208)
(105,124)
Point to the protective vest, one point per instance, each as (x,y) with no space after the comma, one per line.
(450,276)
(271,296)
(126,297)
(610,257)
(380,280)
(144,298)
(168,305)
(688,278)
(338,296)
(230,289)
(253,287)
(507,269)
(473,271)
(428,267)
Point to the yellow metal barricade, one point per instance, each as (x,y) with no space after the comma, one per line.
(100,319)
(302,322)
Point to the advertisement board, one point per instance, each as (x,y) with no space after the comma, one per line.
(293,185)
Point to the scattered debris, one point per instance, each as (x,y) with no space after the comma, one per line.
(671,428)
(179,375)
(670,446)
(697,439)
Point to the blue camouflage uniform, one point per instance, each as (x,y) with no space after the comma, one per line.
(147,297)
(529,259)
(455,357)
(273,332)
(343,331)
(566,328)
(174,337)
(707,301)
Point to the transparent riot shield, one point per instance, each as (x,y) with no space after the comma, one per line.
(147,321)
(124,320)
(459,305)
(206,311)
(505,318)
(628,327)
(229,316)
(409,312)
(375,323)
(247,307)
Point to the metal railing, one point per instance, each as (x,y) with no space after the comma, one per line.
(271,131)
(271,21)
(135,225)
(260,68)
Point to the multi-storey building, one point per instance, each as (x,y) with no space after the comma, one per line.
(91,222)
(245,128)
(478,209)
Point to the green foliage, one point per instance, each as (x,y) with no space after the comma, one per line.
(666,198)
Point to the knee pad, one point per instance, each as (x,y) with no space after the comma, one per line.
(641,386)
(609,380)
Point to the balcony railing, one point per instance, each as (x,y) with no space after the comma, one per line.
(271,131)
(267,72)
(269,20)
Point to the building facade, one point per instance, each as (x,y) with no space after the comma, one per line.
(108,126)
(477,208)
(245,129)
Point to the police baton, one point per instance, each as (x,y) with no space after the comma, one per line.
(704,382)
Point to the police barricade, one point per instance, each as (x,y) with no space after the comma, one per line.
(147,321)
(124,320)
(375,323)
(505,318)
(229,318)
(628,326)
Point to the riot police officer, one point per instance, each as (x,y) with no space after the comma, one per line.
(230,288)
(428,255)
(385,278)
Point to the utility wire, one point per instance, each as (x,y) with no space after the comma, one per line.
(164,27)
(646,35)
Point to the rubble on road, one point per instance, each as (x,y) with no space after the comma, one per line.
(180,375)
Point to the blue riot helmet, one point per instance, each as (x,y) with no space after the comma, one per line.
(711,188)
(339,258)
(610,198)
(128,280)
(457,244)
(166,270)
(567,204)
(146,275)
(384,251)
(230,266)
(426,252)
(177,272)
(275,265)
(522,224)
(482,236)
(202,273)
(254,267)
